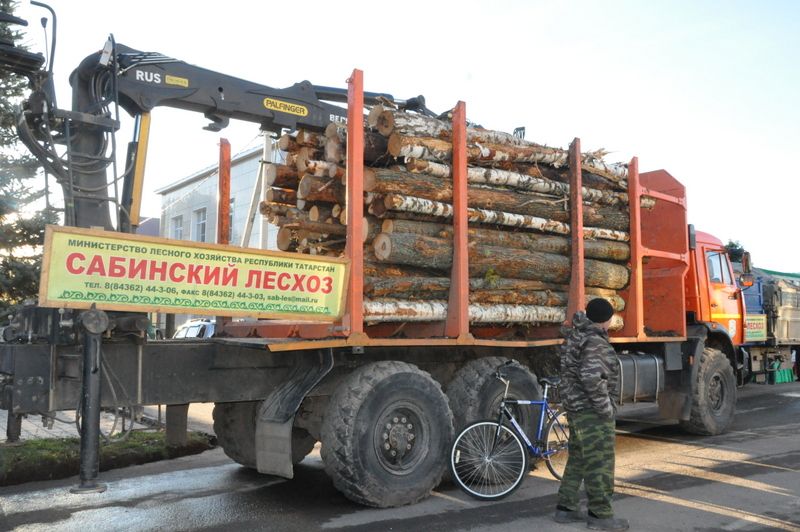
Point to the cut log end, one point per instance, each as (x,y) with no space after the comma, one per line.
(382,246)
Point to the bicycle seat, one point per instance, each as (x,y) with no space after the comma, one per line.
(550,381)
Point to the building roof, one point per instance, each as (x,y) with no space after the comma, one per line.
(149,227)
(209,170)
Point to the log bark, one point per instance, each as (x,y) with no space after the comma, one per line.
(281,176)
(278,209)
(386,310)
(593,249)
(534,182)
(417,287)
(320,228)
(282,195)
(434,149)
(398,311)
(391,121)
(313,188)
(437,253)
(386,181)
(398,202)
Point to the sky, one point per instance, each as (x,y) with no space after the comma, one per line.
(706,90)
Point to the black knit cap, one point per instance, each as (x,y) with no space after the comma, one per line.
(599,310)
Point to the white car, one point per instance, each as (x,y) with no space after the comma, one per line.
(197,328)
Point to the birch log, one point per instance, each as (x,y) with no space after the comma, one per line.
(534,183)
(418,287)
(593,249)
(437,253)
(397,202)
(394,311)
(391,121)
(386,181)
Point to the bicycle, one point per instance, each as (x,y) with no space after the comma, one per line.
(488,459)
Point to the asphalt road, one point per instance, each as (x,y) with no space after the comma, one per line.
(747,479)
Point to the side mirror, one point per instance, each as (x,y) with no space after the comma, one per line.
(746,280)
(746,263)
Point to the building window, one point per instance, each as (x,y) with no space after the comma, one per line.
(177,227)
(199,225)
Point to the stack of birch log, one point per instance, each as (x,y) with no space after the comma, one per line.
(519,234)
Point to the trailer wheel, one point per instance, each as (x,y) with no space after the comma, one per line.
(714,395)
(474,393)
(235,427)
(386,434)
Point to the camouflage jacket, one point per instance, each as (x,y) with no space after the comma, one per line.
(589,369)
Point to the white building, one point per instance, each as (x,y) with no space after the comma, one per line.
(189,207)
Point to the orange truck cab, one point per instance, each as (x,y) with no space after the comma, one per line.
(713,298)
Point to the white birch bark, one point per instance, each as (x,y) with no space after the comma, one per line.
(403,310)
(398,202)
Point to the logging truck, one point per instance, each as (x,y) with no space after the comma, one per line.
(435,251)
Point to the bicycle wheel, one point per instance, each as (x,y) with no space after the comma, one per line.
(557,450)
(488,461)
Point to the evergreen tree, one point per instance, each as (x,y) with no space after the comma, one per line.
(21,231)
(735,250)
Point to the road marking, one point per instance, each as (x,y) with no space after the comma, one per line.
(643,492)
(790,394)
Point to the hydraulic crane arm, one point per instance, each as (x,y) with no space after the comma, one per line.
(138,82)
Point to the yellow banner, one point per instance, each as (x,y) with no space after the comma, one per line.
(119,271)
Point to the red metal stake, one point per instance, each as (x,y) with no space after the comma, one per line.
(224,197)
(353,320)
(224,210)
(457,324)
(577,290)
(634,309)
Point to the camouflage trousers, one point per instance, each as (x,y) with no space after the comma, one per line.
(591,461)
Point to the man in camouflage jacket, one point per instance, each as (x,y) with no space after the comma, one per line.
(589,390)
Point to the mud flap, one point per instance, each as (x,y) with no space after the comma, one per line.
(276,414)
(677,404)
(674,404)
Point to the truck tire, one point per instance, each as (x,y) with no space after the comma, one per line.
(713,395)
(474,393)
(386,435)
(235,427)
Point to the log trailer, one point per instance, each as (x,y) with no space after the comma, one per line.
(383,399)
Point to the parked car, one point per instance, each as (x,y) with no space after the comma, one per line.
(196,328)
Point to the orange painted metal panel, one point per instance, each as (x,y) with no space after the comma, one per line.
(577,290)
(457,324)
(354,250)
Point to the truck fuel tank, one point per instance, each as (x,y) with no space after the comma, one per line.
(641,377)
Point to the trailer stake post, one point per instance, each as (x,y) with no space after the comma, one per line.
(94,323)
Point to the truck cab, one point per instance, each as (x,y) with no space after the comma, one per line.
(713,297)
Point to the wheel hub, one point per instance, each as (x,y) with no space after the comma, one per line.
(716,392)
(396,439)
